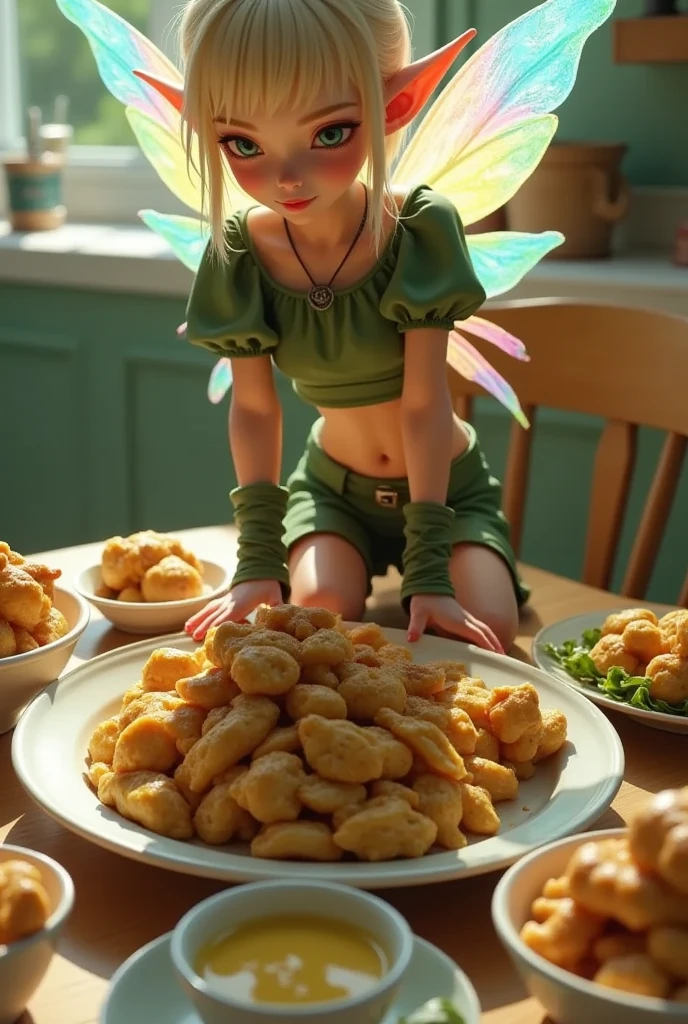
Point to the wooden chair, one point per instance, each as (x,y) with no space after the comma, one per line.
(640,378)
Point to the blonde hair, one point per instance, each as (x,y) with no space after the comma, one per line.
(256,56)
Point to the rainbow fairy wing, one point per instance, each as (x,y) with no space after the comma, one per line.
(186,237)
(463,357)
(491,125)
(502,258)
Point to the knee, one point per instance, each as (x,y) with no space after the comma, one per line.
(349,606)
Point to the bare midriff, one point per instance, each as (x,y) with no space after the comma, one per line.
(368,440)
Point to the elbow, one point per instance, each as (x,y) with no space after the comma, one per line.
(426,407)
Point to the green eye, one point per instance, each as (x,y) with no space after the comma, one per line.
(332,136)
(239,146)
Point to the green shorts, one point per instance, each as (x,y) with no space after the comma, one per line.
(326,497)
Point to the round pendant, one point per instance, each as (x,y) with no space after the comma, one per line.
(321,297)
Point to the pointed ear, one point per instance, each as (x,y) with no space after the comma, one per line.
(174,94)
(407,92)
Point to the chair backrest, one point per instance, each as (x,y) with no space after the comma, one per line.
(627,366)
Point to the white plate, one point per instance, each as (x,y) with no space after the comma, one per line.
(569,791)
(572,629)
(145,988)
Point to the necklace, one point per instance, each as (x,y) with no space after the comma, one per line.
(321,296)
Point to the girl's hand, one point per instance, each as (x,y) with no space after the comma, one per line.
(234,606)
(447,615)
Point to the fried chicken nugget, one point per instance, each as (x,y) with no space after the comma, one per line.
(305,699)
(386,828)
(150,799)
(53,627)
(668,947)
(8,641)
(604,879)
(500,782)
(365,655)
(22,600)
(454,671)
(394,653)
(132,595)
(171,579)
(296,840)
(643,639)
(669,678)
(440,800)
(340,750)
(515,713)
(120,563)
(397,757)
(486,746)
(610,652)
(326,797)
(674,629)
(284,738)
(326,647)
(219,818)
(552,735)
(479,815)
(231,631)
(24,641)
(319,675)
(143,703)
(267,670)
(145,745)
(368,634)
(13,557)
(101,746)
(24,906)
(298,622)
(229,638)
(658,837)
(166,666)
(231,739)
(368,690)
(214,716)
(44,575)
(617,621)
(565,936)
(419,680)
(387,788)
(269,790)
(469,696)
(453,722)
(635,973)
(212,688)
(618,944)
(426,740)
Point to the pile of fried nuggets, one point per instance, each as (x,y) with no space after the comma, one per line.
(311,742)
(28,619)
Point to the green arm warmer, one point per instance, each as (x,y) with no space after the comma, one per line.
(258,513)
(428,550)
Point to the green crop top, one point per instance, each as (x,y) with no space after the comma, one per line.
(351,354)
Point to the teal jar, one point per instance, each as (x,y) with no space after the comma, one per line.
(34,192)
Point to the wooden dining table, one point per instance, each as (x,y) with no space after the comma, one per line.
(121,904)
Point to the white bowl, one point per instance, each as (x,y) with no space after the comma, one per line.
(22,676)
(24,963)
(153,617)
(567,998)
(211,918)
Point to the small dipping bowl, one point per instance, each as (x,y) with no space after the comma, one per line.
(24,963)
(216,916)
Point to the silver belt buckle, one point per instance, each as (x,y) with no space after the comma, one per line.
(386,497)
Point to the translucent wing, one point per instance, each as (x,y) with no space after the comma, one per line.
(185,236)
(494,117)
(119,49)
(502,258)
(220,381)
(163,147)
(497,336)
(466,360)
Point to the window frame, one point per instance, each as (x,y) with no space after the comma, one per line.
(110,184)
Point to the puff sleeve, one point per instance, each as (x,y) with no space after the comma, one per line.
(433,283)
(225,312)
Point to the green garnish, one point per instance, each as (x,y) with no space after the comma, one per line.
(574,658)
(437,1011)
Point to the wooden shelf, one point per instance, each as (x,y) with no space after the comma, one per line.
(651,40)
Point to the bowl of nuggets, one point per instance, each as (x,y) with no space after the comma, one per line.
(150,582)
(305,740)
(597,925)
(36,898)
(40,624)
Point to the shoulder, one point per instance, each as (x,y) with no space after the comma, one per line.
(422,203)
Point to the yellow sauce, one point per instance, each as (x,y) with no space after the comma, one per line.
(292,959)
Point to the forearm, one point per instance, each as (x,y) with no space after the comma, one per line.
(255,441)
(427,432)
